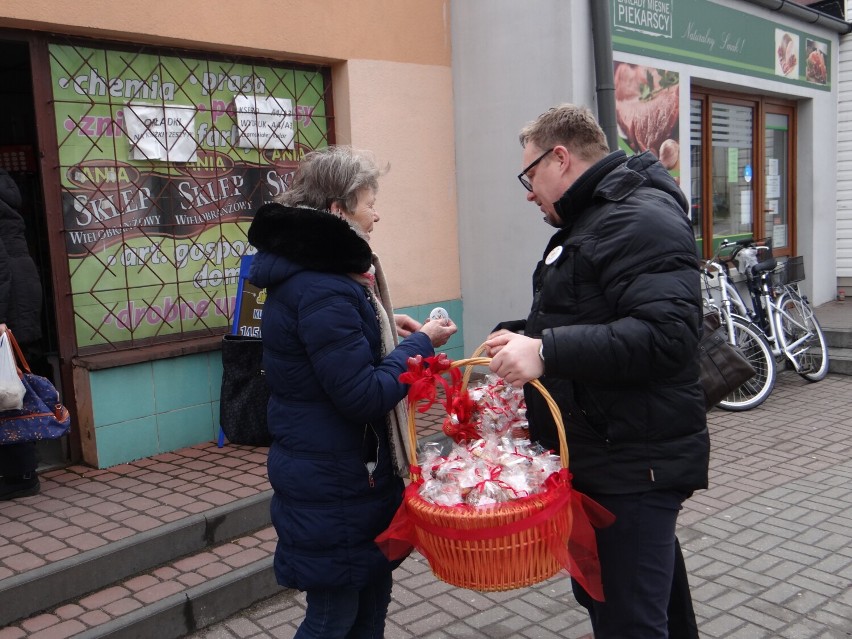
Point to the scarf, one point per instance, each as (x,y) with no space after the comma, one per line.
(397,419)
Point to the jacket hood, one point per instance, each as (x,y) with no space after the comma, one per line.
(9,192)
(308,239)
(648,166)
(614,178)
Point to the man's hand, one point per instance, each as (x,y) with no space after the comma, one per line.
(492,345)
(515,357)
(405,324)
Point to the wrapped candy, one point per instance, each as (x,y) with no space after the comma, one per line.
(499,408)
(492,461)
(486,471)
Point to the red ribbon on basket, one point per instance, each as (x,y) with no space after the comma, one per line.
(460,424)
(579,556)
(423,375)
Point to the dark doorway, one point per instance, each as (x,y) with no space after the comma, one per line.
(19,155)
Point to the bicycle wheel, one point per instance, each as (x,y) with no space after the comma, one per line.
(801,338)
(750,340)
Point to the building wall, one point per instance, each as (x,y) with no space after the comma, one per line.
(410,31)
(510,63)
(392,94)
(844,161)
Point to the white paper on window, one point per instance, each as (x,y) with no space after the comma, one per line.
(264,123)
(159,132)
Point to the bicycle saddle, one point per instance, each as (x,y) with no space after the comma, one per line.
(764,266)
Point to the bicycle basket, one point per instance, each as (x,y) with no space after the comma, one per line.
(793,270)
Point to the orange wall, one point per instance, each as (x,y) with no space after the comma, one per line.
(414,31)
(392,84)
(404,113)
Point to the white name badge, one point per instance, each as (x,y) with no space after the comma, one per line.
(553,255)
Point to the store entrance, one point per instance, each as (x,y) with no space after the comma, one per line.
(19,152)
(743,170)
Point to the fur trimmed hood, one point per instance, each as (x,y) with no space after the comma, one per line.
(315,240)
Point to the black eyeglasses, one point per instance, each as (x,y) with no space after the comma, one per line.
(522,175)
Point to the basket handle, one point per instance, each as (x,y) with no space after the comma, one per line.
(469,363)
(468,369)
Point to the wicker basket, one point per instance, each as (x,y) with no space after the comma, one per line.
(502,547)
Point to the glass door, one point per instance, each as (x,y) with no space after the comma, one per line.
(696,145)
(777,195)
(732,169)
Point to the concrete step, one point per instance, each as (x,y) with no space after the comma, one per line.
(840,361)
(57,583)
(838,337)
(167,601)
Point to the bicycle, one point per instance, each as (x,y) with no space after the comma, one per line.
(780,310)
(742,333)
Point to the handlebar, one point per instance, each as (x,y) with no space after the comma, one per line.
(739,244)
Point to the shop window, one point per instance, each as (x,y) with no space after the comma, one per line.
(742,176)
(163,158)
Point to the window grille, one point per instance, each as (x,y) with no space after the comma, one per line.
(164,157)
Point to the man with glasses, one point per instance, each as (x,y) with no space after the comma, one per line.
(613,334)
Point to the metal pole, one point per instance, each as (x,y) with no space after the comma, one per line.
(604,83)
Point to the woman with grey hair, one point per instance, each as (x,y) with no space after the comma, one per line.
(333,356)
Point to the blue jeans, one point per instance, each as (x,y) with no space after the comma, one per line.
(347,613)
(638,555)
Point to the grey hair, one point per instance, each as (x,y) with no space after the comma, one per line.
(571,126)
(332,174)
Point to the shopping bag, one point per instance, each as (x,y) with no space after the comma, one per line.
(12,390)
(245,393)
(723,367)
(42,416)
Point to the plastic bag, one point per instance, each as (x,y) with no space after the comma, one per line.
(746,258)
(12,390)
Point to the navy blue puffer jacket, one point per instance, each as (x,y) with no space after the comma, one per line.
(331,390)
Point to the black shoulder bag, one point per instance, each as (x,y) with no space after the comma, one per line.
(723,367)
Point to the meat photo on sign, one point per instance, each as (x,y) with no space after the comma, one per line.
(815,69)
(647,110)
(786,54)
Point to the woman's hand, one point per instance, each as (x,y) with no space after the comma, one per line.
(439,331)
(2,328)
(405,324)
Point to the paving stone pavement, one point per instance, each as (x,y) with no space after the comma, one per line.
(767,546)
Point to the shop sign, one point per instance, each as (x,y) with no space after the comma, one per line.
(706,34)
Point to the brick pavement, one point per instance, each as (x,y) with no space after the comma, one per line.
(82,508)
(767,546)
(85,510)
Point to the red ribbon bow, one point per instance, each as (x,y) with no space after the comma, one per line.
(424,375)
